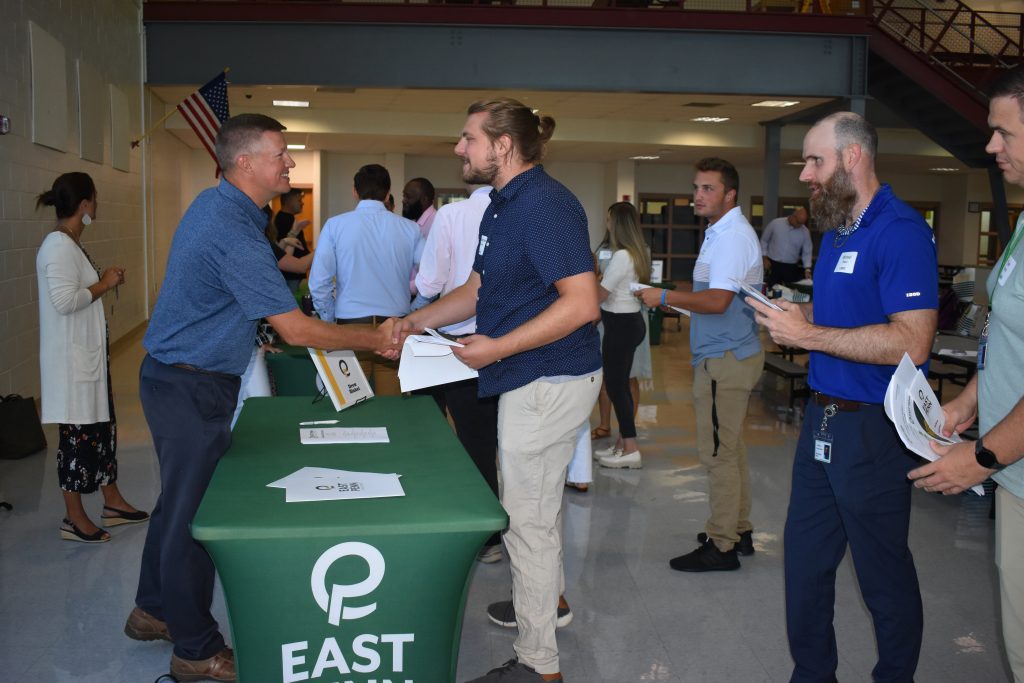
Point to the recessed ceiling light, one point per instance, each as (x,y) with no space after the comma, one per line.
(944,169)
(710,119)
(775,103)
(296,147)
(795,163)
(645,157)
(291,103)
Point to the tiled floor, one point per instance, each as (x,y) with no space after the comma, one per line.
(62,604)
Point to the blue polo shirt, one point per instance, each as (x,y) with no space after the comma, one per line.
(533,234)
(221,278)
(887,266)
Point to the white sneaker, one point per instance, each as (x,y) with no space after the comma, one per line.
(607,452)
(490,554)
(622,460)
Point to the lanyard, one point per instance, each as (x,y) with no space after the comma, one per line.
(1007,255)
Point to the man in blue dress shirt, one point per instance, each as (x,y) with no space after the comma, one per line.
(360,273)
(222,277)
(534,293)
(875,298)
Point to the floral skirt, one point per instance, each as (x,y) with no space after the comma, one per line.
(87,453)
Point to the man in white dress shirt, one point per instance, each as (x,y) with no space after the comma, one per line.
(446,264)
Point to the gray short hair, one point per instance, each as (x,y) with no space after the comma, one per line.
(240,134)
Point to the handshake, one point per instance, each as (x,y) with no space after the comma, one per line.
(476,350)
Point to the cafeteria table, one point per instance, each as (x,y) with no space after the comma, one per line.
(346,590)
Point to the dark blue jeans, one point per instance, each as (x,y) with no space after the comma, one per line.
(189,415)
(861,499)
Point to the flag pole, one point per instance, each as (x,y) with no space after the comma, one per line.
(135,143)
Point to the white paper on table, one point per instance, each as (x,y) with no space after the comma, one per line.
(959,353)
(417,371)
(911,405)
(321,483)
(636,287)
(755,294)
(315,435)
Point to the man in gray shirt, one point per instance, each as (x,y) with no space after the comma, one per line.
(786,242)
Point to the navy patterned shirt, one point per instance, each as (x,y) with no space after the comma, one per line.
(533,234)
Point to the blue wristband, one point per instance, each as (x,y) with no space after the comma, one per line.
(664,293)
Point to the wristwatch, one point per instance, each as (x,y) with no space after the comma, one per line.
(985,457)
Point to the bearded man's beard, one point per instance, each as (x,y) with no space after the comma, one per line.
(482,176)
(832,205)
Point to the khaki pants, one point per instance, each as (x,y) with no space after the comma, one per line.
(537,426)
(381,373)
(1010,561)
(721,391)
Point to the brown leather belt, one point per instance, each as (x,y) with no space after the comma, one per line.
(365,320)
(840,403)
(192,368)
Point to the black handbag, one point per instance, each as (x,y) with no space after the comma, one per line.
(21,433)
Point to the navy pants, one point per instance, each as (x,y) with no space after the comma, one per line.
(861,499)
(189,414)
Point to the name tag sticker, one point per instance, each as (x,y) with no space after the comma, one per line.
(1011,263)
(604,254)
(846,262)
(483,245)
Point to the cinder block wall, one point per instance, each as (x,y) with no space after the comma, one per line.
(105,34)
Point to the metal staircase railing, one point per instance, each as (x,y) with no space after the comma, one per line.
(972,47)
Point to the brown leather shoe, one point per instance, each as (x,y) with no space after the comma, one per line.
(142,625)
(220,667)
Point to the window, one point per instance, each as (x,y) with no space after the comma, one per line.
(673,232)
(990,247)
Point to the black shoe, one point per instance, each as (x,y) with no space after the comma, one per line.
(513,671)
(504,614)
(745,547)
(706,558)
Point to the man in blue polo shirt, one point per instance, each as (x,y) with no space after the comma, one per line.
(727,362)
(534,293)
(875,297)
(221,278)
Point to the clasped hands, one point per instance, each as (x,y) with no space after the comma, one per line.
(478,350)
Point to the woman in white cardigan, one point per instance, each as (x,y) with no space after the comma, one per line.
(73,362)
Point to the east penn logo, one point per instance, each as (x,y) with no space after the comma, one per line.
(364,655)
(332,603)
(343,366)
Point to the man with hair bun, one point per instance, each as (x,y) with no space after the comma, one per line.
(875,298)
(534,294)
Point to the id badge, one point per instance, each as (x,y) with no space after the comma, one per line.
(823,447)
(983,344)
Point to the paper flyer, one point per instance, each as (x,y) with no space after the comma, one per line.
(911,405)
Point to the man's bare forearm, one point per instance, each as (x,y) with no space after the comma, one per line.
(882,344)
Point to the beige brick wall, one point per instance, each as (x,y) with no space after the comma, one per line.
(105,35)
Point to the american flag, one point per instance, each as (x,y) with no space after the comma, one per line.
(205,110)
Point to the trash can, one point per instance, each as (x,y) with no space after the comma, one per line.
(657,316)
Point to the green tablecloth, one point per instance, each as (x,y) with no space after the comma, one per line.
(292,372)
(285,567)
